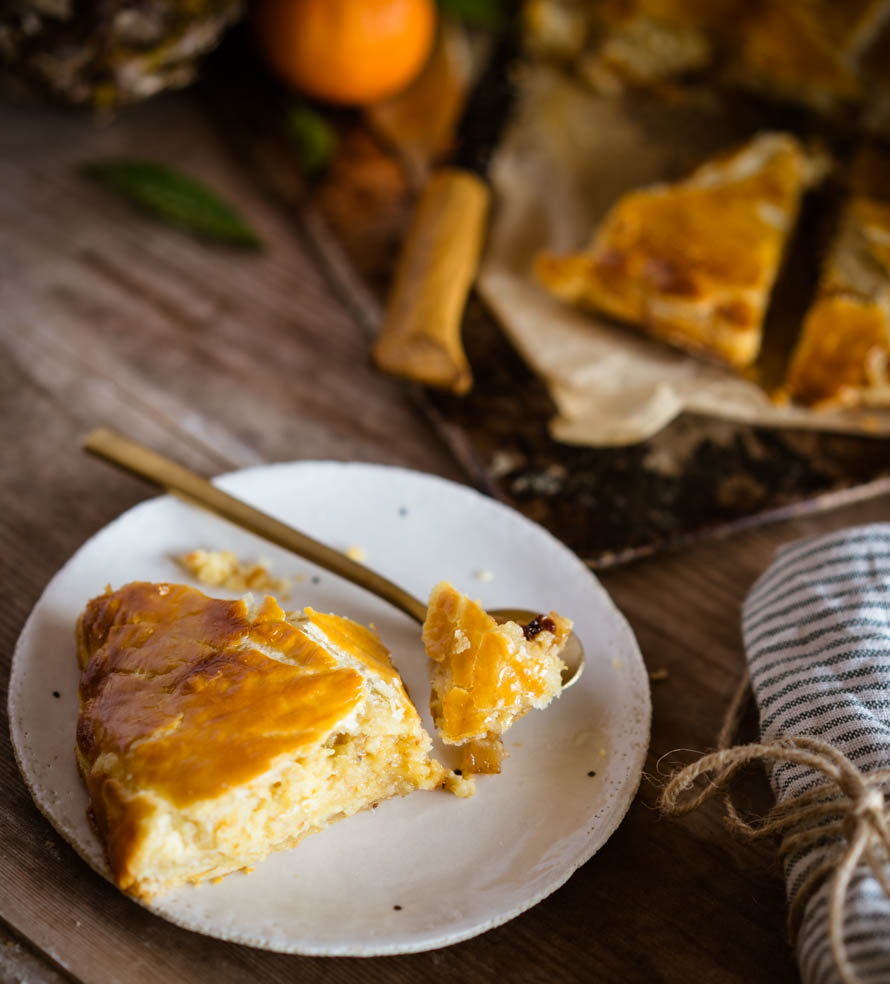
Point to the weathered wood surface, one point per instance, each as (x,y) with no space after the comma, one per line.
(224,360)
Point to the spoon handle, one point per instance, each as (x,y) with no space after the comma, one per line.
(142,461)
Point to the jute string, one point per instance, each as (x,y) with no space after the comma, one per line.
(847,803)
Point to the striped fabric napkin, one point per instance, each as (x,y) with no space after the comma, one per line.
(817,634)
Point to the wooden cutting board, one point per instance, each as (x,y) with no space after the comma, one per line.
(698,478)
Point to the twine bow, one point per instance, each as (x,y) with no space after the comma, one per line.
(848,803)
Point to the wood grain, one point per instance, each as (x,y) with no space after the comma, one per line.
(222,361)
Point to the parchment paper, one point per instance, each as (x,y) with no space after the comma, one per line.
(564,160)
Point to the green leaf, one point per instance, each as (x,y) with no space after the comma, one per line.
(482,13)
(175,199)
(312,138)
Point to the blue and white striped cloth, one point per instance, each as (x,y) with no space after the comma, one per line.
(817,634)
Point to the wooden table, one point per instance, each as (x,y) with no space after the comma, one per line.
(224,361)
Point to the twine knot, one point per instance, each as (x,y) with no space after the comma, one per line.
(846,804)
(868,807)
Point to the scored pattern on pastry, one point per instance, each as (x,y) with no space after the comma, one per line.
(212,732)
(694,262)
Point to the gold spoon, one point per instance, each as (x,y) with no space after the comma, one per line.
(142,461)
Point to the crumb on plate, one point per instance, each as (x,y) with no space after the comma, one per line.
(221,568)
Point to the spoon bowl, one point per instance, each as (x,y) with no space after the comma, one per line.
(142,461)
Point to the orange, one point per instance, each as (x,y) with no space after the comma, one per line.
(347,51)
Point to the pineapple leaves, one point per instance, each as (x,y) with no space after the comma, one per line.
(490,14)
(175,199)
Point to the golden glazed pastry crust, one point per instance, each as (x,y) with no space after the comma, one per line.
(808,52)
(841,359)
(211,734)
(652,42)
(486,675)
(693,263)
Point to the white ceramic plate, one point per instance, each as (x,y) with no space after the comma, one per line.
(419,872)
